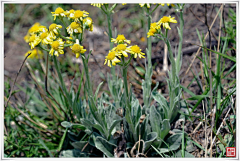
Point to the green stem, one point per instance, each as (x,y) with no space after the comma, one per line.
(180,38)
(126,96)
(65,37)
(149,42)
(113,71)
(41,47)
(89,86)
(171,56)
(154,9)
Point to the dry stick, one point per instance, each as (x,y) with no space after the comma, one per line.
(204,39)
(84,146)
(204,23)
(220,128)
(16,80)
(165,62)
(205,121)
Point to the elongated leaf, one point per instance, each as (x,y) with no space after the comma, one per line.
(115,122)
(150,138)
(97,90)
(106,147)
(223,55)
(198,97)
(155,119)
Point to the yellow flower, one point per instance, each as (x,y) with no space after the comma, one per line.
(142,39)
(147,4)
(34,40)
(77,49)
(69,41)
(151,32)
(124,4)
(34,27)
(99,5)
(53,29)
(57,47)
(165,21)
(79,15)
(120,39)
(121,49)
(47,38)
(58,12)
(74,27)
(111,59)
(70,14)
(88,23)
(35,54)
(136,51)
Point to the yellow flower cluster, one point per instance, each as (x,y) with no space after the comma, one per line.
(120,50)
(51,36)
(148,5)
(164,22)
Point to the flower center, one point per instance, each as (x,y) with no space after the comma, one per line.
(165,19)
(120,37)
(111,55)
(76,48)
(74,25)
(52,26)
(78,14)
(32,38)
(135,49)
(43,35)
(59,10)
(121,47)
(55,45)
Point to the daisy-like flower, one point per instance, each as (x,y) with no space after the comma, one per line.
(136,51)
(124,4)
(74,27)
(58,12)
(57,47)
(151,32)
(120,39)
(47,38)
(168,4)
(88,23)
(165,21)
(147,4)
(34,27)
(79,15)
(34,40)
(111,59)
(121,49)
(77,49)
(153,29)
(53,29)
(70,14)
(35,54)
(99,5)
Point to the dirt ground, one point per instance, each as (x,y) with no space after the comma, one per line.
(15,48)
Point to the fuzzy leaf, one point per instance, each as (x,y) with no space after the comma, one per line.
(106,147)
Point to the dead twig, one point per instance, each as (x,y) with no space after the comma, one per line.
(16,80)
(204,39)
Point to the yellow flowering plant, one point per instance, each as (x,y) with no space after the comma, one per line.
(99,122)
